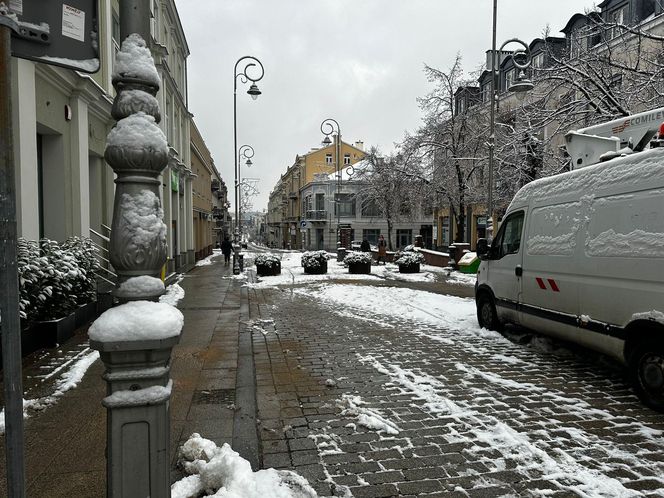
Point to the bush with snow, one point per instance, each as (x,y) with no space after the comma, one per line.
(55,278)
(357,257)
(267,259)
(314,259)
(410,259)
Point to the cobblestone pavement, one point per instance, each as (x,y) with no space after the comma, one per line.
(454,412)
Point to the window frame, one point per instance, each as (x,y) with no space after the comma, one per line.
(498,250)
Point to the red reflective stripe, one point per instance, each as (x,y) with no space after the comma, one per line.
(553,285)
(540,282)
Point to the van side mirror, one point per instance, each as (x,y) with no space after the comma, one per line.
(482,249)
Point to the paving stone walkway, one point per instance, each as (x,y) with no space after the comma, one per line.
(460,413)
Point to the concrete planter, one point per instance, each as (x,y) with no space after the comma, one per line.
(268,271)
(359,268)
(86,313)
(414,268)
(54,332)
(320,269)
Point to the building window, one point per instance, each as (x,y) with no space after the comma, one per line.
(346,204)
(346,158)
(328,158)
(445,239)
(481,226)
(486,92)
(538,61)
(320,202)
(371,235)
(370,208)
(509,79)
(618,16)
(404,237)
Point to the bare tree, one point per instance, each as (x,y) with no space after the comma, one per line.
(388,185)
(451,141)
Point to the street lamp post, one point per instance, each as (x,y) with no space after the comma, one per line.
(327,128)
(244,76)
(521,61)
(246,152)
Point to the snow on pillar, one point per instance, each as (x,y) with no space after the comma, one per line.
(135,339)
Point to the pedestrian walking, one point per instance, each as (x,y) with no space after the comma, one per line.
(226,248)
(382,249)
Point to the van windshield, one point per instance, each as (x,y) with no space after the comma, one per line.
(508,240)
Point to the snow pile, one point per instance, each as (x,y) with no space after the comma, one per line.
(137,320)
(134,60)
(206,261)
(143,216)
(221,472)
(69,379)
(174,293)
(371,419)
(138,100)
(143,285)
(85,65)
(138,131)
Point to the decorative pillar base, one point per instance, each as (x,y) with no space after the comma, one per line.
(138,419)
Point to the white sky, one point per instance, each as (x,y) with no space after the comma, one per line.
(357,61)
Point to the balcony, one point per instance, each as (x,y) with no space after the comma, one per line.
(316,215)
(217,212)
(292,195)
(216,185)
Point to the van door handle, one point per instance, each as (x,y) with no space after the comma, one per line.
(518,271)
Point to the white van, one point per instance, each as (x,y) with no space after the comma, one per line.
(580,256)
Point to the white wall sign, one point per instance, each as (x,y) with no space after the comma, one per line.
(73,22)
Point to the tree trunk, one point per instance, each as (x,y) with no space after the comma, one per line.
(389,233)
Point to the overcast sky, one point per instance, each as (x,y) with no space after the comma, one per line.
(357,61)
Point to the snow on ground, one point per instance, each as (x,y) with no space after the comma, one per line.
(174,293)
(480,429)
(456,314)
(222,472)
(71,373)
(367,417)
(208,260)
(292,272)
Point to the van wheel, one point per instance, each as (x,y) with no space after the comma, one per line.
(647,368)
(486,313)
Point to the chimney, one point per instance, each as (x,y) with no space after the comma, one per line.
(359,144)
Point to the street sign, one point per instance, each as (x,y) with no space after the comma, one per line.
(58,32)
(304,225)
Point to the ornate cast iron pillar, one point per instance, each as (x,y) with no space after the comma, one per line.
(135,339)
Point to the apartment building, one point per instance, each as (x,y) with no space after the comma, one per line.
(61,118)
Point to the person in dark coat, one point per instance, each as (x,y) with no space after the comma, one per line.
(226,248)
(382,249)
(365,246)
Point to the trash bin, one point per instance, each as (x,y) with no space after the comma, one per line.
(241,261)
(341,254)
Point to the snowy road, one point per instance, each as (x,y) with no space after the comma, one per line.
(392,391)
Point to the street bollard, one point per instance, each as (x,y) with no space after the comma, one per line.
(241,261)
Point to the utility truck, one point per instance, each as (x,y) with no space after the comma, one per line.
(580,255)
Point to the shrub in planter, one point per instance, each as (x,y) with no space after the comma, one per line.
(55,280)
(409,262)
(315,262)
(267,264)
(358,262)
